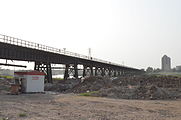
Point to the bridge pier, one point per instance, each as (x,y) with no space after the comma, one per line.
(119,73)
(99,71)
(110,72)
(106,72)
(76,71)
(115,75)
(66,73)
(84,69)
(91,68)
(71,69)
(46,68)
(122,73)
(88,69)
(96,71)
(102,72)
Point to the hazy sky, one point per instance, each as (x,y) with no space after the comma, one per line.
(134,32)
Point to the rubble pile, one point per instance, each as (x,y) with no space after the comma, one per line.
(5,85)
(137,87)
(62,85)
(148,92)
(92,84)
(160,81)
(133,87)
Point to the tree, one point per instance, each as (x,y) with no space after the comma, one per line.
(157,70)
(174,70)
(149,70)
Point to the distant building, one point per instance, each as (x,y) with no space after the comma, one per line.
(166,63)
(178,68)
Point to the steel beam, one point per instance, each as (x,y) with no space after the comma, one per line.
(84,70)
(95,71)
(76,71)
(91,68)
(102,72)
(46,68)
(13,65)
(66,74)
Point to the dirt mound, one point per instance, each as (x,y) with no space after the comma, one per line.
(92,84)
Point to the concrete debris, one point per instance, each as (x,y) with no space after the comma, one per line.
(5,85)
(62,85)
(137,87)
(148,92)
(92,84)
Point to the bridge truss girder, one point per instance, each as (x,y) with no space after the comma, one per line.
(46,68)
(43,60)
(90,70)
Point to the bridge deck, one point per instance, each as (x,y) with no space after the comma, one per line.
(18,49)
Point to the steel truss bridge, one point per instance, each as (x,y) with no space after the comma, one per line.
(12,48)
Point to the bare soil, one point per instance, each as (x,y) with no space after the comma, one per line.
(73,107)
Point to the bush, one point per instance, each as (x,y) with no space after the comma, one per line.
(22,115)
(88,93)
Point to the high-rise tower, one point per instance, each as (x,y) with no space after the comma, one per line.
(166,63)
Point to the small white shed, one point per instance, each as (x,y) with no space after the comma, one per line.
(31,81)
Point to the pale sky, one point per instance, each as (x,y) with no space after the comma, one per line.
(134,32)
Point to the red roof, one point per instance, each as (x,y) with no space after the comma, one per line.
(30,73)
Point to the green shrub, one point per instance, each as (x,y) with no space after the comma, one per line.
(6,77)
(88,93)
(22,115)
(3,119)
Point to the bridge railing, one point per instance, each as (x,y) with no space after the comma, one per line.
(28,44)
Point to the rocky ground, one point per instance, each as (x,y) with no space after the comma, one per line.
(96,98)
(73,107)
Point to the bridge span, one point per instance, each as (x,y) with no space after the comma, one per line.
(12,48)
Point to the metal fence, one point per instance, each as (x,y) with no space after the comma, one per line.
(28,44)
